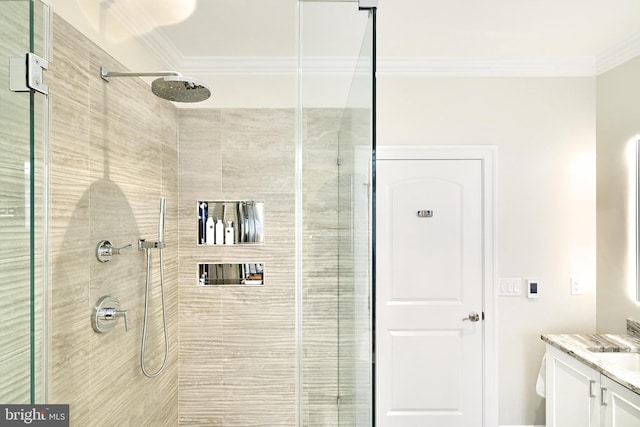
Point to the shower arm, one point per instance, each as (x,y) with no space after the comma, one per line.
(106,74)
(170,85)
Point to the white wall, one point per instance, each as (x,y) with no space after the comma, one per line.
(618,125)
(544,129)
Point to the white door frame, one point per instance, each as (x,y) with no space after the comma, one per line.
(487,155)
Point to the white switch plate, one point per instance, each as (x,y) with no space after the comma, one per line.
(576,286)
(509,287)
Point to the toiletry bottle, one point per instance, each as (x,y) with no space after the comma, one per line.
(203,279)
(229,234)
(219,232)
(210,231)
(202,222)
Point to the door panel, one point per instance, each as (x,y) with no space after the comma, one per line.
(622,407)
(571,392)
(416,367)
(429,277)
(438,236)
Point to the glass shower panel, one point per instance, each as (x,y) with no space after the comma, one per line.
(354,242)
(23,25)
(39,127)
(334,158)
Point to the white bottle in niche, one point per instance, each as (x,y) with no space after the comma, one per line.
(209,237)
(219,232)
(229,234)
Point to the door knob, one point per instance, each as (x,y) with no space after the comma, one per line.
(473,317)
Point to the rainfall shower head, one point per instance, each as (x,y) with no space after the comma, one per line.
(171,86)
(180,89)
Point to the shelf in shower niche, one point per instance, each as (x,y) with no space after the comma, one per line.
(230,222)
(231,274)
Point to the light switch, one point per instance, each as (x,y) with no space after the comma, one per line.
(576,286)
(509,287)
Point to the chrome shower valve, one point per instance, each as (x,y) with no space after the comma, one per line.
(106,250)
(106,313)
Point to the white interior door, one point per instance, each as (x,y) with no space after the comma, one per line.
(429,278)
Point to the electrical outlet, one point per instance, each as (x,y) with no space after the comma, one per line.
(576,286)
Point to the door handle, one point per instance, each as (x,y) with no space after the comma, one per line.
(473,317)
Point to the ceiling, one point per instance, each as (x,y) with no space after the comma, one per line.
(413,28)
(477,28)
(248,49)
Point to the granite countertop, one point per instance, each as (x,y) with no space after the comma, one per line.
(585,348)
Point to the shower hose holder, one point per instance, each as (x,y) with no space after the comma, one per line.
(144,244)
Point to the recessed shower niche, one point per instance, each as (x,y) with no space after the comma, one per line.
(251,274)
(230,222)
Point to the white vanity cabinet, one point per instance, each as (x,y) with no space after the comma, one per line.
(621,406)
(572,391)
(577,395)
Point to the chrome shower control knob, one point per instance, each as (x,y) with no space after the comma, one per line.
(105,250)
(106,313)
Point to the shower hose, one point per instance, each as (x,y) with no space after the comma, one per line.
(146,314)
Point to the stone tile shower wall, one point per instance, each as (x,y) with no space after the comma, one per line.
(113,153)
(237,344)
(320,389)
(336,385)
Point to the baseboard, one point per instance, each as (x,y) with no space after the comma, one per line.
(525,426)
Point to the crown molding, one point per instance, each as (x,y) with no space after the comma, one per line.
(273,65)
(227,65)
(576,66)
(430,67)
(164,48)
(488,67)
(618,54)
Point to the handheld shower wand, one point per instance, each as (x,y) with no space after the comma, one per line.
(159,244)
(147,246)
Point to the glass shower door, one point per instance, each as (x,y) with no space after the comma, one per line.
(22,209)
(335,145)
(355,149)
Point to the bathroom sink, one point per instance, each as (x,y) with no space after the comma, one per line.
(625,360)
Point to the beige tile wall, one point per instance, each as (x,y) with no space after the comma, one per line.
(113,154)
(237,346)
(320,296)
(336,385)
